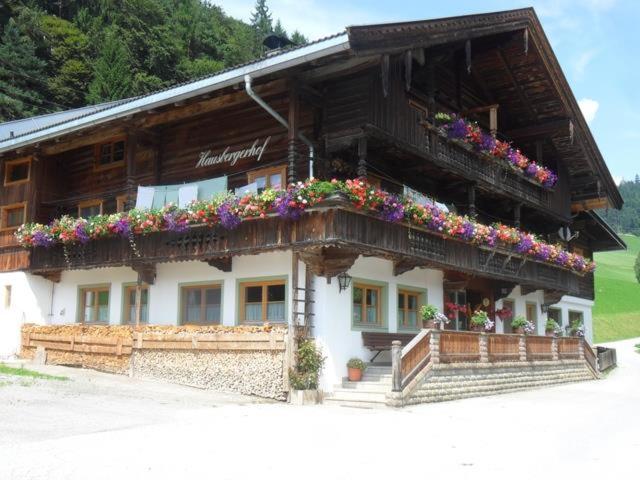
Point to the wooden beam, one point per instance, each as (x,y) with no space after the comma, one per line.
(362,157)
(519,90)
(146,272)
(560,127)
(384,66)
(221,263)
(329,261)
(66,143)
(218,102)
(591,204)
(292,135)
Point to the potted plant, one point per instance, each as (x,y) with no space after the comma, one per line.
(355,367)
(303,379)
(480,321)
(552,329)
(522,326)
(577,328)
(432,317)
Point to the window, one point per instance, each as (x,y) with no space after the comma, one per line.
(274,177)
(201,304)
(576,317)
(409,303)
(455,307)
(129,314)
(12,216)
(263,301)
(532,314)
(507,306)
(94,304)
(110,154)
(367,305)
(89,208)
(17,171)
(123,204)
(7,296)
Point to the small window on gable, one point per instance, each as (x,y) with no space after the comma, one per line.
(17,171)
(89,208)
(12,216)
(110,154)
(273,177)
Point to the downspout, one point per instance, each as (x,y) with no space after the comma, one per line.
(280,119)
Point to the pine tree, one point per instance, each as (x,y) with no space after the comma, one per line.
(261,22)
(298,38)
(637,179)
(279,30)
(112,75)
(21,75)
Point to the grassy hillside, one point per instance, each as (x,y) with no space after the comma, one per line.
(617,309)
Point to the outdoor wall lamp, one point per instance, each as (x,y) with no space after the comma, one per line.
(344,280)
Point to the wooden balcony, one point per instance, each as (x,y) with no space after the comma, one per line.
(329,238)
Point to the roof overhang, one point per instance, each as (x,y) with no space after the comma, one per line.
(602,237)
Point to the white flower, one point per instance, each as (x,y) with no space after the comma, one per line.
(304,202)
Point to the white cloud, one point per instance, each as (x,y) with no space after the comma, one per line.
(618,179)
(581,62)
(589,108)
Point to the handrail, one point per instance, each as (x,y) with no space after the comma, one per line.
(589,356)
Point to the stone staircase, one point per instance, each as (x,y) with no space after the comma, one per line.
(451,383)
(370,392)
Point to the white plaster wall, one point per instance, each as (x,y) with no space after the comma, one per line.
(164,293)
(521,301)
(30,303)
(566,303)
(579,305)
(333,330)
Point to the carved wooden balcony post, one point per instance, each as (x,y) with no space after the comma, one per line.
(396,365)
(483,339)
(523,348)
(434,346)
(362,157)
(554,348)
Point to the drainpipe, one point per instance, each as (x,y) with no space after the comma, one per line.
(280,119)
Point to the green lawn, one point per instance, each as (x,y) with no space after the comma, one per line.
(616,314)
(23,372)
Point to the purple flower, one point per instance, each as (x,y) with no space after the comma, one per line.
(487,143)
(392,209)
(228,218)
(287,207)
(562,258)
(550,180)
(122,227)
(492,238)
(512,156)
(543,252)
(457,129)
(524,244)
(174,223)
(81,233)
(531,170)
(41,239)
(467,231)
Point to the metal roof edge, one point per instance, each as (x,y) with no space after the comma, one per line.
(258,68)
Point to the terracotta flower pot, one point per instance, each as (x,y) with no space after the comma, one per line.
(355,374)
(477,328)
(549,333)
(429,324)
(519,330)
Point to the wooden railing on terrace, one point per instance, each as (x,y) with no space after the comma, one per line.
(445,346)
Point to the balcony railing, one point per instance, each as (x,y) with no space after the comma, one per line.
(354,231)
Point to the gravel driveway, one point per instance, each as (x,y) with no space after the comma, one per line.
(102,426)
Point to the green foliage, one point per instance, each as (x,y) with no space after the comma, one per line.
(356,363)
(479,317)
(615,313)
(550,325)
(22,76)
(23,372)
(626,220)
(428,312)
(636,267)
(62,54)
(309,361)
(518,322)
(112,78)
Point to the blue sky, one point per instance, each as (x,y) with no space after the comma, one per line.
(596,41)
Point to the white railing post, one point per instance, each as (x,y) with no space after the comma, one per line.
(434,346)
(396,365)
(484,347)
(554,348)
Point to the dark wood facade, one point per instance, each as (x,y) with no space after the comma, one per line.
(369,112)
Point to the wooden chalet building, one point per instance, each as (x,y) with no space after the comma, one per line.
(359,104)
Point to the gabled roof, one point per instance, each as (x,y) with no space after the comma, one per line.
(586,159)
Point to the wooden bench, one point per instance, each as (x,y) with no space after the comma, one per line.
(381,341)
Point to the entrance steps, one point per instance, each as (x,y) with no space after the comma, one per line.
(452,384)
(370,392)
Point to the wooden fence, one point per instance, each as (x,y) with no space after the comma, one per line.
(503,348)
(274,340)
(459,347)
